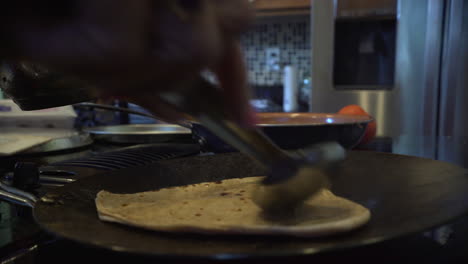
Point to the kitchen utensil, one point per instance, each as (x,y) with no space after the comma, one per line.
(201,99)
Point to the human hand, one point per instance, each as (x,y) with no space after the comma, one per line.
(135,49)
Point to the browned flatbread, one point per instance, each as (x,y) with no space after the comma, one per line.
(226,207)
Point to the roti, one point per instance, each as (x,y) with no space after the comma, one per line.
(226,207)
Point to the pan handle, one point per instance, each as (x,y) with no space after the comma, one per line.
(16,196)
(181,123)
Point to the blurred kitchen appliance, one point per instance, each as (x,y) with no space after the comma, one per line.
(40,131)
(12,116)
(32,86)
(353,57)
(406,67)
(290,89)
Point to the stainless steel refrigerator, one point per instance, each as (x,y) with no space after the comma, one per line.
(422,108)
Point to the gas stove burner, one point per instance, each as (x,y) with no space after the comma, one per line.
(139,155)
(58,174)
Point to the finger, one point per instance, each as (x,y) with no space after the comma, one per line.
(233,80)
(99,33)
(185,36)
(235,16)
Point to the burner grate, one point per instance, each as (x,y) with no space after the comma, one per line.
(133,156)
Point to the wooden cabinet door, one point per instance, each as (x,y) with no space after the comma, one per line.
(262,5)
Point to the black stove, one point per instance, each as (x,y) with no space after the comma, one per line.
(19,234)
(23,241)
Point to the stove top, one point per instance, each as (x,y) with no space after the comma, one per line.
(22,241)
(43,248)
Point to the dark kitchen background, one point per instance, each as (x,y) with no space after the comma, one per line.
(405,62)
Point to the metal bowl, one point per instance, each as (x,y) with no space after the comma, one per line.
(296,130)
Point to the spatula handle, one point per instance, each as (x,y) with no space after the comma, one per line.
(203,101)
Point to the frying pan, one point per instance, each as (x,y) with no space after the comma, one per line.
(296,130)
(405,195)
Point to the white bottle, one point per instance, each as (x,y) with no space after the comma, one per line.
(291,89)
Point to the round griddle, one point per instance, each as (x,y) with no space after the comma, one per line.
(405,195)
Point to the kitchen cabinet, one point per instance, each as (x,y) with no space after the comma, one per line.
(280,4)
(344,8)
(281,7)
(365,8)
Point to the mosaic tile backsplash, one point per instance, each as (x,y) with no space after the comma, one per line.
(290,34)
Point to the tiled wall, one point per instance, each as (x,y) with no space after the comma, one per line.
(290,34)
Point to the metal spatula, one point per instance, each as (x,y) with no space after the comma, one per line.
(293,177)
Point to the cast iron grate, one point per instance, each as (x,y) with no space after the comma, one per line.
(132,157)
